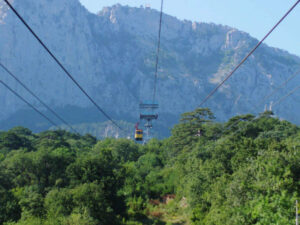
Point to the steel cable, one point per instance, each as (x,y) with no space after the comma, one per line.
(34,95)
(30,105)
(249,54)
(60,64)
(157,52)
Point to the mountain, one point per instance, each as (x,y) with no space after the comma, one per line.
(112,55)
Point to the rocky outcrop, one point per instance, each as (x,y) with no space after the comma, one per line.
(112,56)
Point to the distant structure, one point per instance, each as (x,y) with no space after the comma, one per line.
(268,107)
(271,106)
(147,6)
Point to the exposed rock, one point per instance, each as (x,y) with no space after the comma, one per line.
(112,56)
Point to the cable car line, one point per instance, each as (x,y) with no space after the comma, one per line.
(147,108)
(34,95)
(277,89)
(157,52)
(284,97)
(30,105)
(276,103)
(60,64)
(249,54)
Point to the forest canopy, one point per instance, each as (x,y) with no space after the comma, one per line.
(243,171)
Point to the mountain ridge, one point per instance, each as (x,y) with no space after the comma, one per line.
(111,54)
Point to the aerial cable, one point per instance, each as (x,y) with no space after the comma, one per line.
(60,64)
(251,52)
(284,97)
(34,95)
(276,103)
(277,89)
(30,105)
(157,52)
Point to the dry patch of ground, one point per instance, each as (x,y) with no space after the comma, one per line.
(169,211)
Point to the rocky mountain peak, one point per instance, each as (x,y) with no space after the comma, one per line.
(112,55)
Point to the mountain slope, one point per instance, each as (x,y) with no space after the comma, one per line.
(112,56)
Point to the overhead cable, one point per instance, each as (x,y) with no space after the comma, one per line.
(60,64)
(157,52)
(34,95)
(277,89)
(249,54)
(30,105)
(284,97)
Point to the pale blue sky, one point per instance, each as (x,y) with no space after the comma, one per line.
(253,16)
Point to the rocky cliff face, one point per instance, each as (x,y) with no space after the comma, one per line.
(112,56)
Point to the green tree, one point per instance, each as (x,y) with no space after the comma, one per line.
(190,128)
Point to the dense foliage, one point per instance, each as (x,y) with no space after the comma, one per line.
(244,171)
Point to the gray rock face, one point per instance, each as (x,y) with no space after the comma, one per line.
(112,55)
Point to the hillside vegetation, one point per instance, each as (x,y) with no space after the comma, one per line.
(244,171)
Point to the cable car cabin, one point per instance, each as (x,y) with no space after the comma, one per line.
(138,136)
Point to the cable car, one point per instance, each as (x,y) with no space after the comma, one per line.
(138,136)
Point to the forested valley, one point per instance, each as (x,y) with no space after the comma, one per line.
(243,171)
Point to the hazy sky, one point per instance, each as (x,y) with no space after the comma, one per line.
(253,16)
